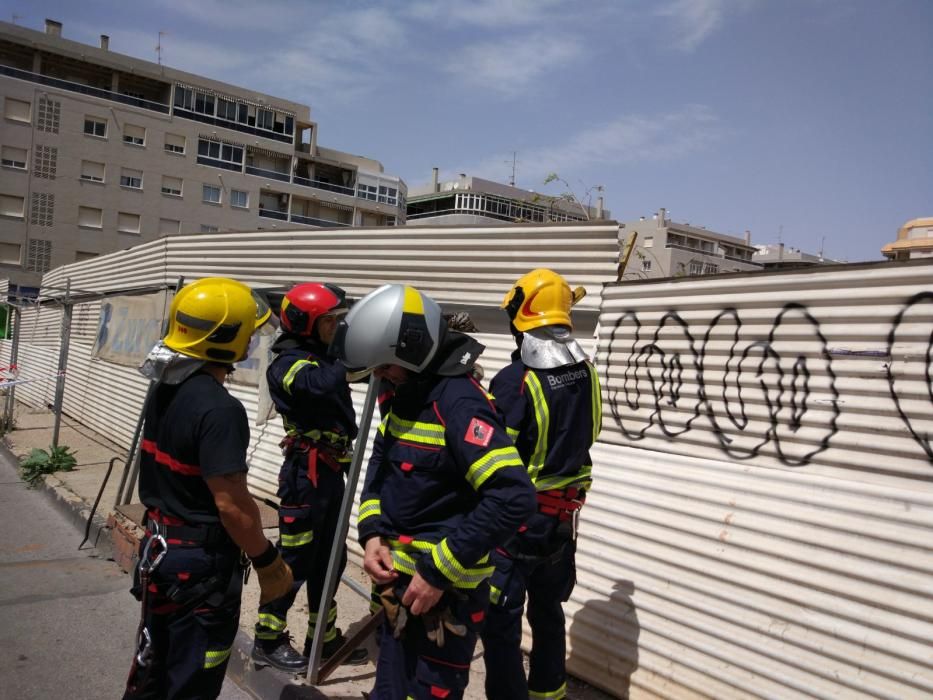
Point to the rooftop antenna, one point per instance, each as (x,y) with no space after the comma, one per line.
(514,162)
(780,233)
(159,47)
(16,17)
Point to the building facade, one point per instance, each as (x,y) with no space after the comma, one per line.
(101,151)
(472,200)
(777,256)
(664,248)
(914,240)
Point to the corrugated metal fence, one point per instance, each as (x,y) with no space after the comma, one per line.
(760,519)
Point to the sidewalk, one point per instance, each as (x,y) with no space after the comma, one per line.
(74,494)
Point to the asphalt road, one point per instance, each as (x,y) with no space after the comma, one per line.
(67,620)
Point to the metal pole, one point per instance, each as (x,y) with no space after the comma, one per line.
(62,361)
(343,524)
(14,356)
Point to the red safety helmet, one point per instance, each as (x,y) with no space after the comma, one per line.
(305,303)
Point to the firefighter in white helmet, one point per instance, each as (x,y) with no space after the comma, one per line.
(444,485)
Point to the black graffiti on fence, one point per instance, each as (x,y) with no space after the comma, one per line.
(786,399)
(915,420)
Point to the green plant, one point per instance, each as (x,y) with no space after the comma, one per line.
(41,462)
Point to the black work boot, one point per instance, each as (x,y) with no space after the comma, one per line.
(355,658)
(278,653)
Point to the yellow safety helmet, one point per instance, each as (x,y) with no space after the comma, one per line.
(541,298)
(213,318)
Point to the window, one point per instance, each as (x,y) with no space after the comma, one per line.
(92,171)
(131,178)
(45,162)
(169,227)
(226,109)
(175,144)
(127,223)
(239,198)
(12,206)
(711,269)
(38,255)
(42,211)
(10,252)
(89,217)
(95,127)
(265,118)
(646,265)
(208,229)
(171,186)
(366,192)
(210,194)
(221,155)
(184,98)
(648,242)
(134,135)
(13,157)
(203,103)
(49,115)
(17,110)
(696,267)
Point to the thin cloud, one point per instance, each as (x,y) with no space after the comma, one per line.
(490,14)
(510,67)
(628,140)
(695,20)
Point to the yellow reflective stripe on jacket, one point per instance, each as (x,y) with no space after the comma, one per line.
(459,575)
(297,539)
(369,509)
(543,420)
(558,694)
(214,658)
(495,594)
(413,431)
(490,463)
(582,479)
(292,371)
(597,402)
(513,433)
(405,555)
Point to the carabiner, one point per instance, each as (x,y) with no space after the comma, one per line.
(146,567)
(144,646)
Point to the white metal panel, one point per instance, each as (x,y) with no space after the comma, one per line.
(761,512)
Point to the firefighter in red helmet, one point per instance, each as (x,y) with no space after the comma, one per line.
(309,389)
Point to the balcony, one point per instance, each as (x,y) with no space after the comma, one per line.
(328,186)
(273,214)
(312,221)
(217,163)
(271,174)
(84,89)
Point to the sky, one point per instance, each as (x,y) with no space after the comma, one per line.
(807,122)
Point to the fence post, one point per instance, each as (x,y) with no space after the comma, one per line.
(62,361)
(14,356)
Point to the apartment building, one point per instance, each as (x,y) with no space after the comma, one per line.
(914,240)
(101,151)
(473,200)
(777,256)
(664,248)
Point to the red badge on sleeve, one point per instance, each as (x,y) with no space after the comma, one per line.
(479,433)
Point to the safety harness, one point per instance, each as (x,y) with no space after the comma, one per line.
(563,503)
(320,446)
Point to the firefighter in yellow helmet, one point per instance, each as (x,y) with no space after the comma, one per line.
(200,515)
(550,398)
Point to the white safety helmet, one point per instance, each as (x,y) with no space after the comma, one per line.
(395,324)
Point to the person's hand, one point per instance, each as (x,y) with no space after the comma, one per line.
(421,596)
(377,561)
(275,580)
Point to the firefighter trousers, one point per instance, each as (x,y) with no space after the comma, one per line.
(539,565)
(413,666)
(308,519)
(192,638)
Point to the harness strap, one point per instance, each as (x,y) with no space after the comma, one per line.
(176,532)
(561,503)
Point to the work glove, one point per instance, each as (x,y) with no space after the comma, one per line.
(435,622)
(396,613)
(275,576)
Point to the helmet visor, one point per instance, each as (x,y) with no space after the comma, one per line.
(263,310)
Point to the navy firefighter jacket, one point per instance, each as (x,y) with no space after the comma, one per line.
(445,484)
(554,416)
(310,390)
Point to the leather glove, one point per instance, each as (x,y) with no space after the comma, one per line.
(436,622)
(275,576)
(396,613)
